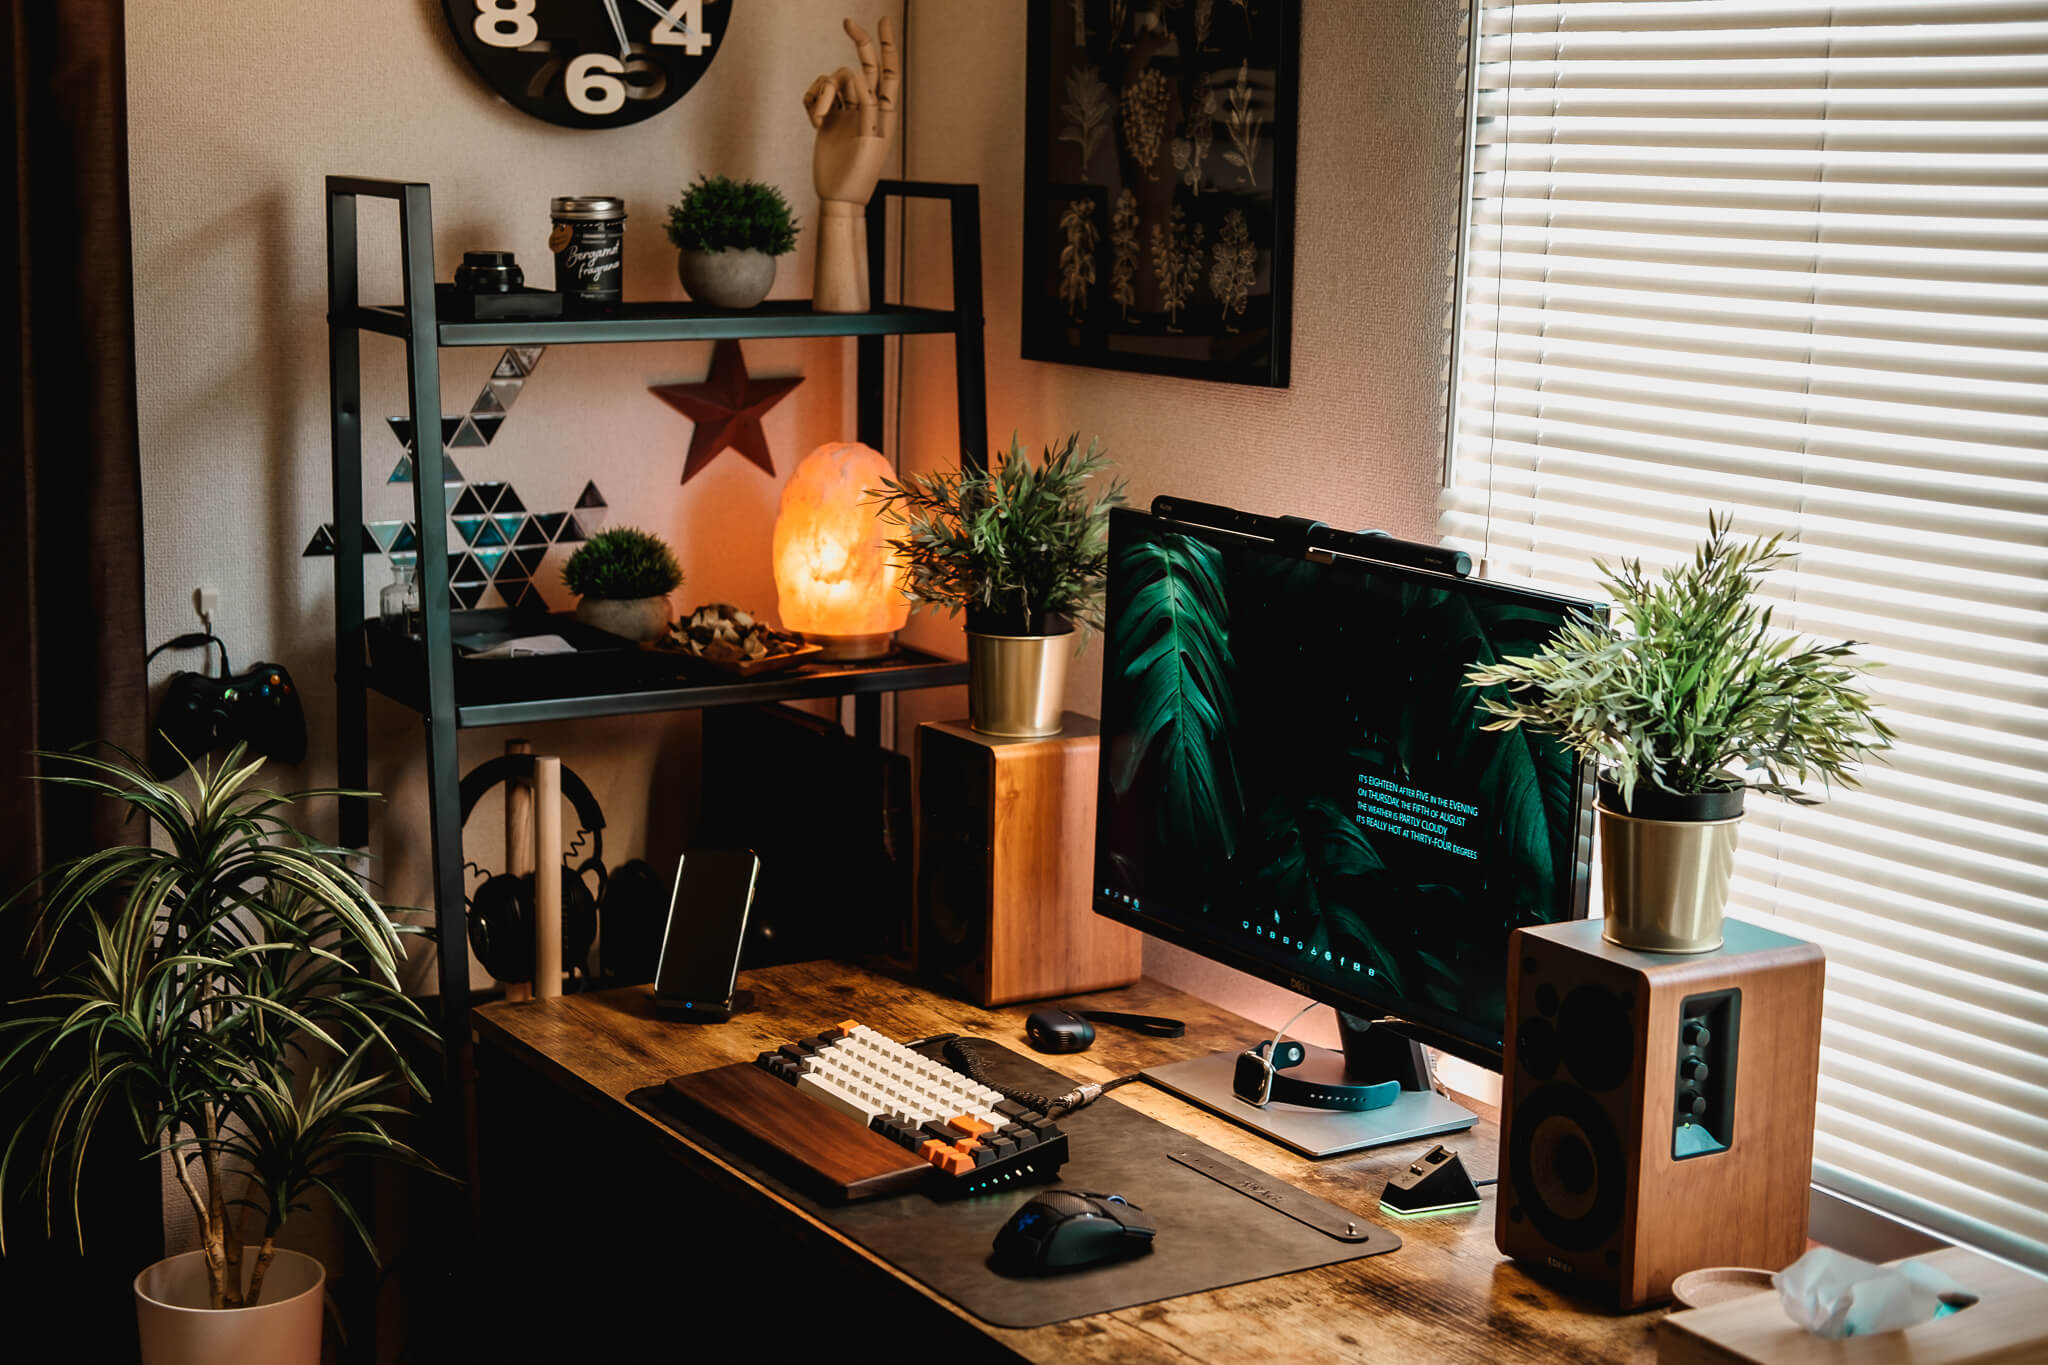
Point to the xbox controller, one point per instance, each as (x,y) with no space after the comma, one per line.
(260,708)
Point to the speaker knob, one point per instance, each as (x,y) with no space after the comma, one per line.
(1691,1102)
(1692,1071)
(1695,1033)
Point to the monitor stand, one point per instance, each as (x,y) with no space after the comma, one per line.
(1370,1055)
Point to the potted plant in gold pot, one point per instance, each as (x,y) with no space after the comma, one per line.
(1022,549)
(1685,704)
(226,995)
(622,579)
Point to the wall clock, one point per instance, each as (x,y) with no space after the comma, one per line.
(589,63)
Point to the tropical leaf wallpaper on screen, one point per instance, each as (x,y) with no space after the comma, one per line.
(1248,698)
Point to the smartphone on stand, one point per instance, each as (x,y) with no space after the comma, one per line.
(699,967)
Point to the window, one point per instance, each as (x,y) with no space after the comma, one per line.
(1791,260)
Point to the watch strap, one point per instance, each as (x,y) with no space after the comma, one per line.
(1255,1073)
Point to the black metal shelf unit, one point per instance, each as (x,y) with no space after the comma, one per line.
(430,688)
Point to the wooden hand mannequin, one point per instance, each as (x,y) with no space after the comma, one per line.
(855,115)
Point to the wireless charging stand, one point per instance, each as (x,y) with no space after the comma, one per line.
(1371,1055)
(705,1011)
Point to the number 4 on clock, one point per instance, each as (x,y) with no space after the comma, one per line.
(682,24)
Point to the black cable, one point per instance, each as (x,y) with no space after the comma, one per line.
(197,639)
(963,1055)
(1158,1026)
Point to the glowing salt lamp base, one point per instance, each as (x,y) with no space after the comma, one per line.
(844,647)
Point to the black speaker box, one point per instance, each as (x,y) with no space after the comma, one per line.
(831,820)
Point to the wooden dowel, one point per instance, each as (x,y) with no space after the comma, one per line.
(547,878)
(518,842)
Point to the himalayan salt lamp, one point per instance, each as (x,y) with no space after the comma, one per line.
(836,581)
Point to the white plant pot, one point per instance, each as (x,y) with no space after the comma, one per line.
(640,619)
(726,279)
(179,1329)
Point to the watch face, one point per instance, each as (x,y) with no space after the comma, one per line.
(565,60)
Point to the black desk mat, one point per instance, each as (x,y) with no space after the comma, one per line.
(1210,1236)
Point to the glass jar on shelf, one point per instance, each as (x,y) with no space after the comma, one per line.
(399,604)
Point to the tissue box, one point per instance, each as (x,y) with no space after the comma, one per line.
(2006,1324)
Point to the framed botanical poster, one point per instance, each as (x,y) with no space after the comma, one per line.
(1159,186)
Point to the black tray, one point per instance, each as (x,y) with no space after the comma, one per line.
(603,662)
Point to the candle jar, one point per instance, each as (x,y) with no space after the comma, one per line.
(589,242)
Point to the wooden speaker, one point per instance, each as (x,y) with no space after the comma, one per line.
(1005,862)
(1657,1110)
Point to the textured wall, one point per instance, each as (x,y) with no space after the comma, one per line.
(1357,439)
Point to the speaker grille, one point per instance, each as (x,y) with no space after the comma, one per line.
(1568,1167)
(1595,1037)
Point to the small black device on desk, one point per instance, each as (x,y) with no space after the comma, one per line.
(1068,1229)
(1056,1029)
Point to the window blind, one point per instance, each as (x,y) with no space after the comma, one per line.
(1790,260)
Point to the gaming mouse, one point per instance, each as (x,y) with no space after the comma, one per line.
(1058,1030)
(1066,1230)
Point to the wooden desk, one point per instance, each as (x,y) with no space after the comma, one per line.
(1446,1296)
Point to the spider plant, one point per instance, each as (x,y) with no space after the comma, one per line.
(226,993)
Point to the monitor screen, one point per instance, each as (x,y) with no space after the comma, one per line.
(1295,779)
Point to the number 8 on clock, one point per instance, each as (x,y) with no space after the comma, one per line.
(589,63)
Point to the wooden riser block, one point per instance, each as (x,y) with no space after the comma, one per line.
(823,1150)
(1006,866)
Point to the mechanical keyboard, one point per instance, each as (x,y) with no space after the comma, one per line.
(852,1114)
(963,1129)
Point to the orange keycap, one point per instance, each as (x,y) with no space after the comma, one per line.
(848,1025)
(970,1125)
(967,1145)
(956,1163)
(931,1148)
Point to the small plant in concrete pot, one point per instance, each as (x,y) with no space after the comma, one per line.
(622,578)
(728,234)
(1022,549)
(1687,702)
(227,995)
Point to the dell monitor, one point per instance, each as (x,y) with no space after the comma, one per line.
(1296,781)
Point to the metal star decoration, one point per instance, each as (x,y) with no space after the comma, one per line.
(727,409)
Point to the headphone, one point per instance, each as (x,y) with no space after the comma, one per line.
(501,911)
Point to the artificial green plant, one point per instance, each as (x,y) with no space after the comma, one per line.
(622,564)
(225,992)
(1020,548)
(721,214)
(1693,690)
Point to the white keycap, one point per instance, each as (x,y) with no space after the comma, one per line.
(829,1094)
